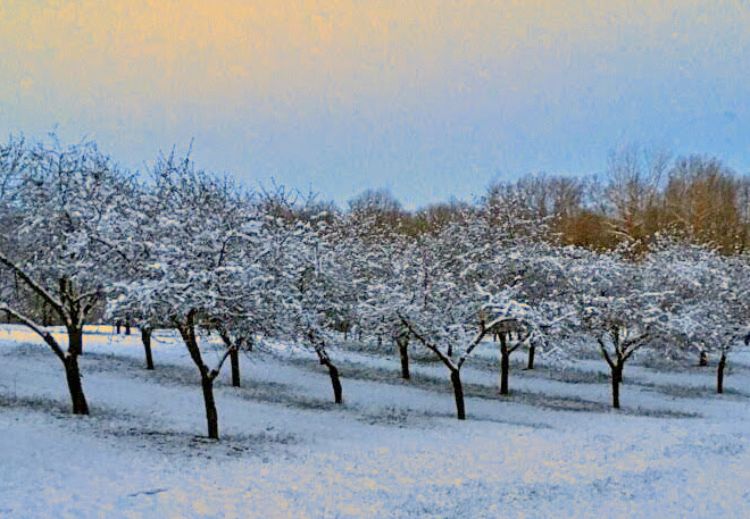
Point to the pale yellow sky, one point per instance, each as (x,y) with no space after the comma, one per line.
(342,86)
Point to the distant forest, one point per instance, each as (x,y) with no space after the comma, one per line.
(642,194)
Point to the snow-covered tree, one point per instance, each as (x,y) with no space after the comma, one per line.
(380,269)
(198,267)
(620,303)
(534,276)
(452,293)
(318,285)
(67,203)
(708,299)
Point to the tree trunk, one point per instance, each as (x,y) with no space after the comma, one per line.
(458,391)
(720,374)
(703,359)
(212,417)
(403,350)
(532,351)
(187,331)
(118,324)
(616,380)
(73,376)
(146,339)
(504,364)
(127,327)
(75,340)
(234,360)
(335,381)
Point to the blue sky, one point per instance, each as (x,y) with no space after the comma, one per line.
(431,99)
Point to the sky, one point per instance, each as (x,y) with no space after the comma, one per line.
(431,99)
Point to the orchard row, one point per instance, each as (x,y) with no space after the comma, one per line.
(179,248)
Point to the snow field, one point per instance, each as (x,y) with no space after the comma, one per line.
(551,449)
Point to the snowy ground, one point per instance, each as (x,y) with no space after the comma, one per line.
(552,449)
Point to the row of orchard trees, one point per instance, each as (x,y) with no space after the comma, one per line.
(491,273)
(183,249)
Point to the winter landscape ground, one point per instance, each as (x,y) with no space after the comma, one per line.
(553,448)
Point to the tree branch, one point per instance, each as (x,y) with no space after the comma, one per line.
(636,344)
(44,334)
(36,287)
(603,348)
(519,342)
(187,330)
(215,372)
(480,335)
(432,347)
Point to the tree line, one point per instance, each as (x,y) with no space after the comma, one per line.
(537,266)
(640,195)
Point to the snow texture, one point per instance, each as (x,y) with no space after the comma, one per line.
(553,448)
